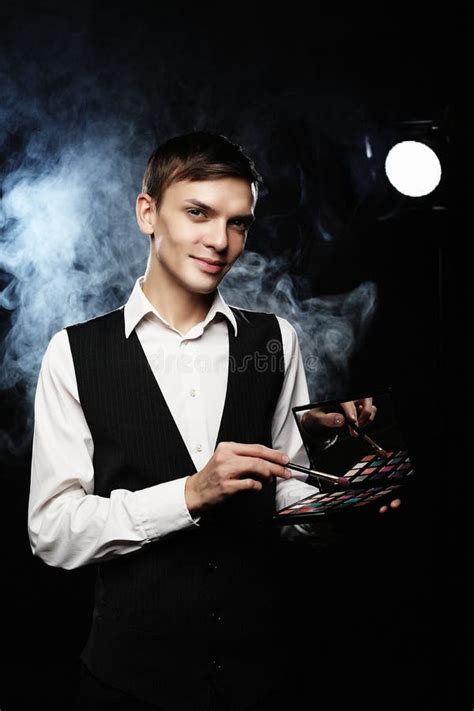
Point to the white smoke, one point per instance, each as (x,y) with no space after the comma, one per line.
(74,151)
(72,250)
(330,329)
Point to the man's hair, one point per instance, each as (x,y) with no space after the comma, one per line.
(200,155)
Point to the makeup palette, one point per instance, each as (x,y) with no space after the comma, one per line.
(376,463)
(375,470)
(323,504)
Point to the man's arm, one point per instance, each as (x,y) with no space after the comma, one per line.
(68,525)
(285,434)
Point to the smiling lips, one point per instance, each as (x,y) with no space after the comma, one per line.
(210,261)
(209,265)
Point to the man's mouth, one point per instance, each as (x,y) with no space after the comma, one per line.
(211,261)
(210,265)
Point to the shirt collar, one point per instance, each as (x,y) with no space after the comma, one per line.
(138,306)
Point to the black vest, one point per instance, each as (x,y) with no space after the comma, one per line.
(198,606)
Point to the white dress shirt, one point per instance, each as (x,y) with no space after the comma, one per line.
(70,526)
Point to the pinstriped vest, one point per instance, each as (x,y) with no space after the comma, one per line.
(196,607)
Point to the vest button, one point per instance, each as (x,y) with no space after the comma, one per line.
(217,666)
(212,565)
(192,392)
(215,616)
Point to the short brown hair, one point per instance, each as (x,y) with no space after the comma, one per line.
(200,155)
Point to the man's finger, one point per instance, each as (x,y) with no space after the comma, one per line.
(394,504)
(350,410)
(365,412)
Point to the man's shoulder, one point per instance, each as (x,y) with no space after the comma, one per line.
(100,321)
(254,315)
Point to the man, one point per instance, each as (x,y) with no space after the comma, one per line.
(159,450)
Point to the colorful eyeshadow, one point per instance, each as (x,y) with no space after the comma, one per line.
(396,476)
(378,494)
(370,469)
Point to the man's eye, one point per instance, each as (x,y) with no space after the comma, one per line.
(243,226)
(193,210)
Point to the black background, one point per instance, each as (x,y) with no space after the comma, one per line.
(383,612)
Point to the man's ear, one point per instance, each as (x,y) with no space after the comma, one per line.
(145,212)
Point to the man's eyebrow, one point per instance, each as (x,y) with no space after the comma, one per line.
(248,219)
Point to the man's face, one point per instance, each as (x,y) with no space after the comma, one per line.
(205,219)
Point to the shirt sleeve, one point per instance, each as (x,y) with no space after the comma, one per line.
(68,525)
(285,434)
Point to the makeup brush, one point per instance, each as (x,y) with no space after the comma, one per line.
(380,451)
(337,480)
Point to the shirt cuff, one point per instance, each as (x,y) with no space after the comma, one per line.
(161,509)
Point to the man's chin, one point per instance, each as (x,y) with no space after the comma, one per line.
(202,277)
(202,285)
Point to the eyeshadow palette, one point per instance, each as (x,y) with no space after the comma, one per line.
(374,469)
(322,504)
(373,458)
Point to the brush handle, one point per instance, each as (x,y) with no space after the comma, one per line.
(365,436)
(341,481)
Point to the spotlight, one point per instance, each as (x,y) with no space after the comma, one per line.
(413,168)
(415,162)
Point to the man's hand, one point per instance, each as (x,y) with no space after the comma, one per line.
(320,424)
(359,411)
(223,474)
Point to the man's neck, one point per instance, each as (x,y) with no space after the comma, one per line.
(180,308)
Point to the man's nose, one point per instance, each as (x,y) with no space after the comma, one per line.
(217,236)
